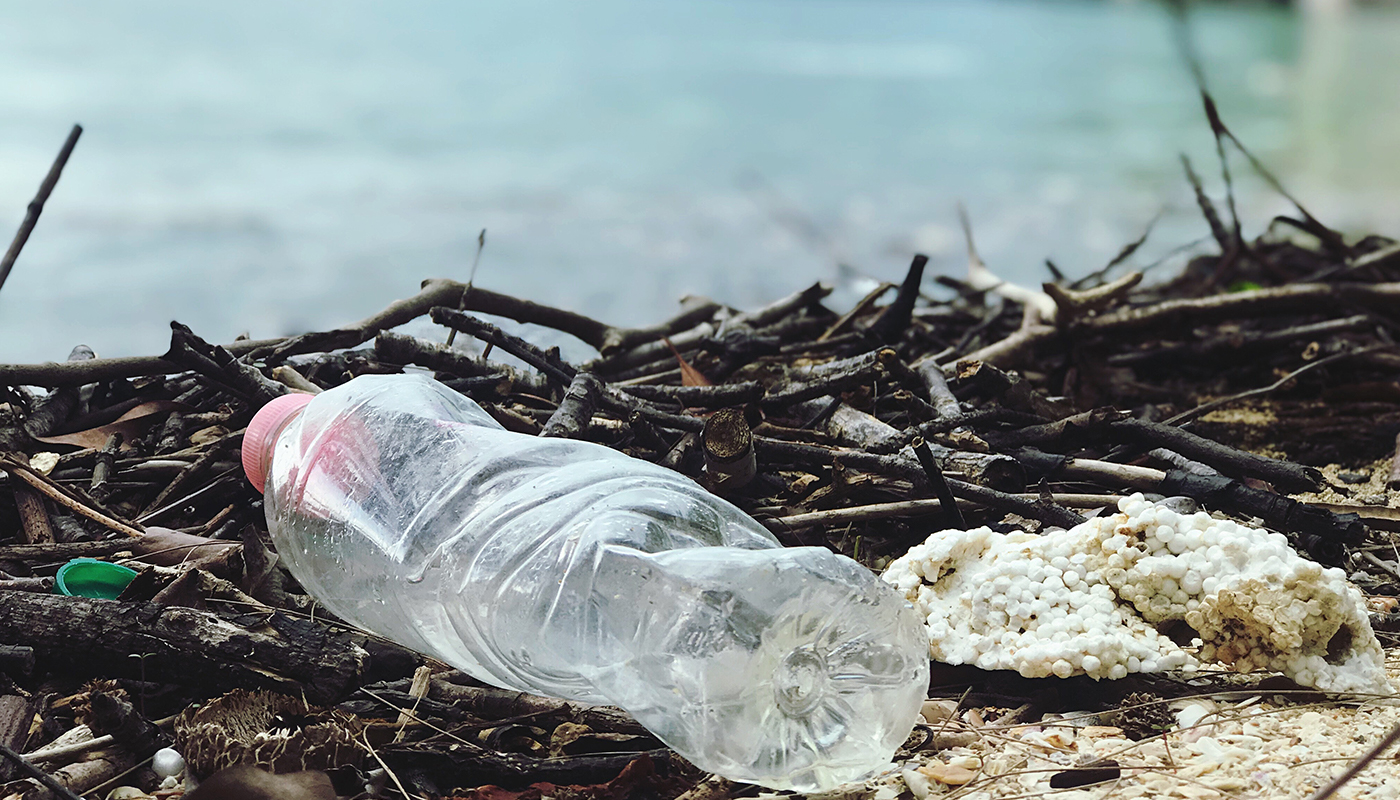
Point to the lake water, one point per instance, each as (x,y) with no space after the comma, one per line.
(270,167)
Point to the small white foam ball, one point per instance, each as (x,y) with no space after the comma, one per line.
(168,763)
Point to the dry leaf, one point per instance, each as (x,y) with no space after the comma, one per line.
(170,548)
(130,425)
(205,436)
(690,376)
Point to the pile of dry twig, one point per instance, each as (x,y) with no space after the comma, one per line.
(1262,382)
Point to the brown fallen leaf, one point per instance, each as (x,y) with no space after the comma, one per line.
(171,548)
(208,435)
(130,425)
(690,376)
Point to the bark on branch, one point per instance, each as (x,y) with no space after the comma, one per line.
(184,646)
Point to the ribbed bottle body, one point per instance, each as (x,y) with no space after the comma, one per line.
(569,569)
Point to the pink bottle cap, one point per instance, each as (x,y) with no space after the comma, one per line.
(263,430)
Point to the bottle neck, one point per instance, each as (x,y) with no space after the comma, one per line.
(263,431)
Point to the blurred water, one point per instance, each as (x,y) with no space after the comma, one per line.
(271,168)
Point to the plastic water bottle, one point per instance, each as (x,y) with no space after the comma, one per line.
(568,569)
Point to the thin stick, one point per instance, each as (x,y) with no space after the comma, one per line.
(37,774)
(92,370)
(1186,416)
(836,517)
(471,280)
(78,748)
(64,497)
(1371,557)
(859,308)
(1186,45)
(385,767)
(943,723)
(413,717)
(1123,255)
(36,206)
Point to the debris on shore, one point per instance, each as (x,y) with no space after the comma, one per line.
(1260,383)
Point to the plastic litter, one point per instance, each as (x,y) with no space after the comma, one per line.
(568,569)
(89,577)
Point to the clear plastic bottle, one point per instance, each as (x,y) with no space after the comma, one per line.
(568,569)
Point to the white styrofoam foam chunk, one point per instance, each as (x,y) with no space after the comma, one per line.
(1017,601)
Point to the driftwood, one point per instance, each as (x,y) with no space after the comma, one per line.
(576,408)
(182,645)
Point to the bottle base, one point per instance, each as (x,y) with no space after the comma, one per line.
(794,669)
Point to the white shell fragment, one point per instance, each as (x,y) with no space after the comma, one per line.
(1091,601)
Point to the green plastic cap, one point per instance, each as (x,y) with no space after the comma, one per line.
(88,577)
